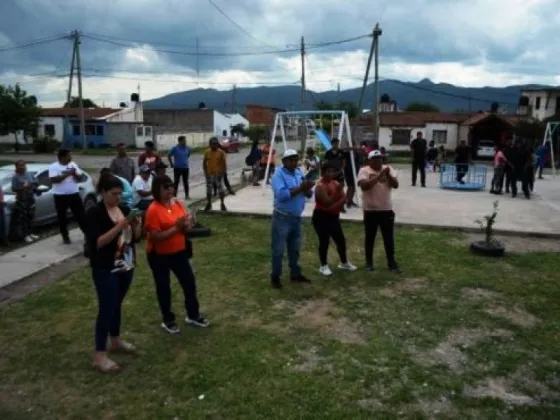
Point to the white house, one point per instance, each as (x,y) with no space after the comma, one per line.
(543,102)
(224,122)
(397,129)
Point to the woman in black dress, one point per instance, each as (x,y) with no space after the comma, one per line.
(111,232)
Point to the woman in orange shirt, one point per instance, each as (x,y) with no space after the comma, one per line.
(166,223)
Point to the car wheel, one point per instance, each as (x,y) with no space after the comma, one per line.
(89,202)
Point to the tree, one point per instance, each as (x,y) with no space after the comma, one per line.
(255,132)
(18,112)
(75,103)
(238,129)
(421,107)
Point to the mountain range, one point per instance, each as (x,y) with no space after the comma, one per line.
(447,97)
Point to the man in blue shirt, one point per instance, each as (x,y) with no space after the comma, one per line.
(127,197)
(290,192)
(179,160)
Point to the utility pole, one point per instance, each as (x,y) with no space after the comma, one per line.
(366,77)
(76,65)
(303,132)
(233,99)
(377,32)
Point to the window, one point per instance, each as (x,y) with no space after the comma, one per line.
(49,130)
(75,130)
(538,102)
(43,179)
(439,136)
(400,137)
(139,131)
(148,131)
(99,130)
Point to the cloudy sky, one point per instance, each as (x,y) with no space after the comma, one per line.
(255,42)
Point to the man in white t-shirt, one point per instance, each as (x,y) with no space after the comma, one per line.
(64,175)
(142,187)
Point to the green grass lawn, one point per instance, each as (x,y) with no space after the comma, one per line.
(456,336)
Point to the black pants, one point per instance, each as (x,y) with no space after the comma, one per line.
(419,165)
(497,180)
(385,221)
(73,202)
(178,263)
(179,173)
(328,226)
(461,170)
(111,289)
(144,204)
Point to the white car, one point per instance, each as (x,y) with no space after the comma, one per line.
(485,149)
(45,212)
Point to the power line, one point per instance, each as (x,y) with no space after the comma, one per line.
(234,23)
(33,43)
(125,44)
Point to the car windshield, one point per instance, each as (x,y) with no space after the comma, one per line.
(6,180)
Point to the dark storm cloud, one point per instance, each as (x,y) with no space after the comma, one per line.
(415,32)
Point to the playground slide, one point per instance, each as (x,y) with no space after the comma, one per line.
(324,139)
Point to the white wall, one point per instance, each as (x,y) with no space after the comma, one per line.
(543,111)
(168,140)
(226,121)
(57,122)
(385,135)
(11,138)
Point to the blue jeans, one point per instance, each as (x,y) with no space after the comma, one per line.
(111,290)
(286,231)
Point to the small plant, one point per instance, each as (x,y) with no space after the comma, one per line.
(487,225)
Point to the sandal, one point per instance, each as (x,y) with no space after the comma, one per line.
(124,348)
(107,366)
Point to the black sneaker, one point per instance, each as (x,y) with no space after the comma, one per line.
(395,269)
(275,282)
(170,327)
(208,207)
(300,279)
(370,267)
(231,192)
(223,207)
(66,241)
(197,322)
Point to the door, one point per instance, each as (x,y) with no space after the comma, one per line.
(44,205)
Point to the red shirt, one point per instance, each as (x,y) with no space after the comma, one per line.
(334,192)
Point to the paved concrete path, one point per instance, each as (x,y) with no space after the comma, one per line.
(432,206)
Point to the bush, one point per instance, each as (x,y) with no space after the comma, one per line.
(45,145)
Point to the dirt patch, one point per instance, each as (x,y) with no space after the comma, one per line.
(516,316)
(515,244)
(433,408)
(321,315)
(501,389)
(479,294)
(310,361)
(450,351)
(407,285)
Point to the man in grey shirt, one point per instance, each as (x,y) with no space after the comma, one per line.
(123,165)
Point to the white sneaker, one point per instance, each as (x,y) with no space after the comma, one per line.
(348,266)
(34,237)
(325,270)
(28,239)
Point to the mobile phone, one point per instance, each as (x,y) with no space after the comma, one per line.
(134,213)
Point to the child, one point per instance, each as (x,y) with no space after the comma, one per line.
(24,186)
(440,159)
(432,156)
